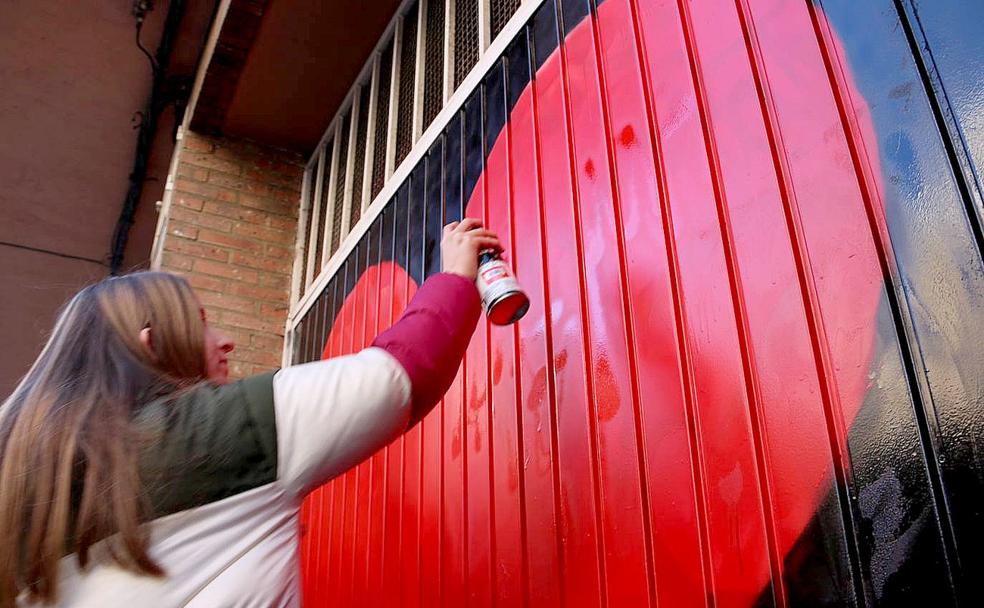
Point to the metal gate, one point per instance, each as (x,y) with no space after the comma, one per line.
(752,370)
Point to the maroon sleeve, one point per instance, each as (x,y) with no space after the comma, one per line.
(430,339)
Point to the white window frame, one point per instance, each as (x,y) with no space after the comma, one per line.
(367,166)
(423,138)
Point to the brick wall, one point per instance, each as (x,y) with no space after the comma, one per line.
(230,228)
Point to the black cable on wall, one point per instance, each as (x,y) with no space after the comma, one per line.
(162,93)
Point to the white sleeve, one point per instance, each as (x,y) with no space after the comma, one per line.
(331,415)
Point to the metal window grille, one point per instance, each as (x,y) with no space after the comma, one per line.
(428,52)
(336,232)
(408,62)
(500,12)
(382,119)
(465,38)
(434,61)
(358,172)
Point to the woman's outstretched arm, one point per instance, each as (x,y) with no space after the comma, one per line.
(333,414)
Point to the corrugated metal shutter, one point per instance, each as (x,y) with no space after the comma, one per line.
(751,372)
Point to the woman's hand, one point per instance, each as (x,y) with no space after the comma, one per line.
(461,245)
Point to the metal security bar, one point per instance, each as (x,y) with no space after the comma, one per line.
(429,59)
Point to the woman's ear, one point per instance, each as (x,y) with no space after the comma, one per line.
(148,342)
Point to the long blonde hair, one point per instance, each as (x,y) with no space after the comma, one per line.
(68,450)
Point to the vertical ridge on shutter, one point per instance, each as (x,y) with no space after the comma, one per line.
(543,502)
(375,463)
(578,525)
(452,465)
(317,502)
(332,573)
(904,325)
(647,44)
(518,79)
(364,296)
(569,14)
(750,372)
(478,549)
(812,307)
(628,313)
(504,424)
(383,314)
(733,330)
(413,469)
(431,426)
(338,580)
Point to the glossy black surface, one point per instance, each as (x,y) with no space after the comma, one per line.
(474,159)
(433,208)
(453,195)
(545,35)
(495,104)
(518,67)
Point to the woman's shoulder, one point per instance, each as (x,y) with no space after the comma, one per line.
(207,442)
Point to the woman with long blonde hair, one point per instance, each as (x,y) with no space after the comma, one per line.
(133,474)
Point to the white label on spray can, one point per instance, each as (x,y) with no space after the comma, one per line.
(495,281)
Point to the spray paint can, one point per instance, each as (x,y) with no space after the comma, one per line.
(502,297)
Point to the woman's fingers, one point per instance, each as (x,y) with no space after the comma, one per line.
(468,224)
(462,243)
(480,232)
(479,236)
(470,230)
(488,242)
